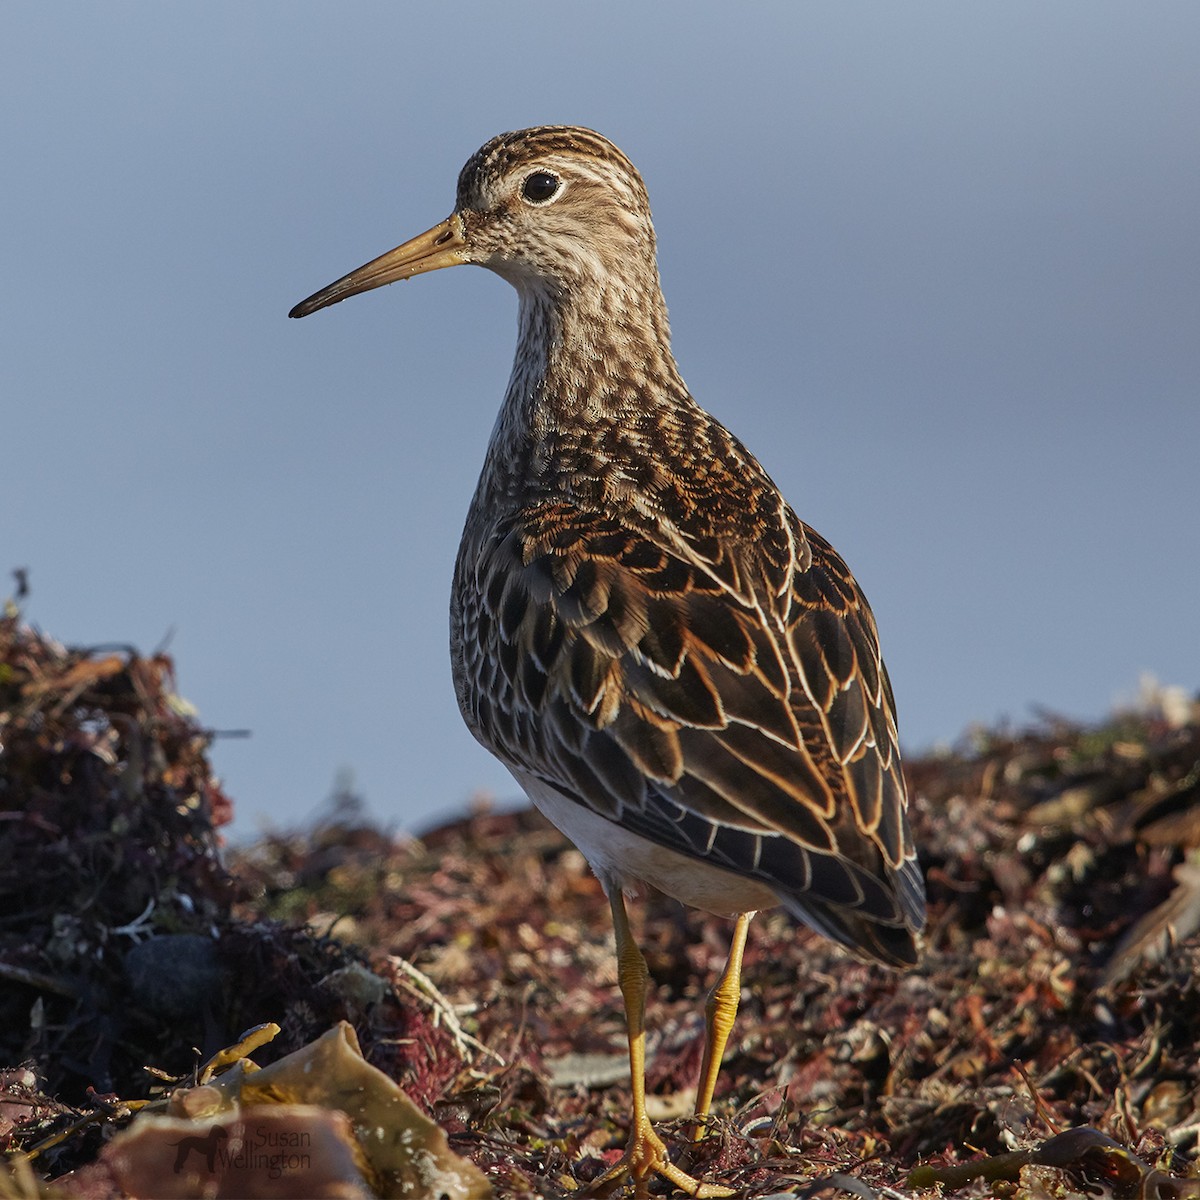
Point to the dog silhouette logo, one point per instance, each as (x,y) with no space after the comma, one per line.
(206,1147)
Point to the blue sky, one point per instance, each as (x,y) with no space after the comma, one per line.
(937,264)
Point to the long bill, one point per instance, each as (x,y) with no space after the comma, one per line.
(442,246)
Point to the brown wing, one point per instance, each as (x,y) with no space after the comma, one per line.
(732,711)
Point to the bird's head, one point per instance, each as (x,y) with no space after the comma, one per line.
(550,209)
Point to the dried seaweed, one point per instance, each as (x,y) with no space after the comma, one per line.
(123,965)
(1059,986)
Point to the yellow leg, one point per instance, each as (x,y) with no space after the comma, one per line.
(719,1014)
(646,1154)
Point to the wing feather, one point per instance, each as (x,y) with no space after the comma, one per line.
(730,708)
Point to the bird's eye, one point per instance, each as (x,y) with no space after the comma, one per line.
(540,187)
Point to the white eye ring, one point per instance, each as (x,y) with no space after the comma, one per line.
(540,187)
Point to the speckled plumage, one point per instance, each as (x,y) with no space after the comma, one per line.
(678,670)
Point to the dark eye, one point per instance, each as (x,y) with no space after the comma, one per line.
(540,187)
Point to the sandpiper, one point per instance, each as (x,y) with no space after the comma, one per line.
(682,675)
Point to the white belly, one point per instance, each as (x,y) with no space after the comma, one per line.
(622,859)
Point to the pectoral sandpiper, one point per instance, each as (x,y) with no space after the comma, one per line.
(681,675)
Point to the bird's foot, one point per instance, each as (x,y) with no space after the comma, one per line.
(646,1155)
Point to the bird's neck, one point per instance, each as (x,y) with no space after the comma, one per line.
(591,362)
